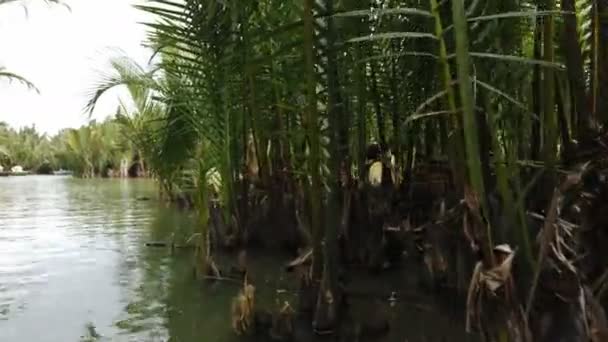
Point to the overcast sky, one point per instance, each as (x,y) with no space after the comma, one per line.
(62,52)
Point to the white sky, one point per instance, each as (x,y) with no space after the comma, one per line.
(62,53)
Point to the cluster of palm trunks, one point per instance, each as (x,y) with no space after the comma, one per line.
(390,223)
(383,226)
(419,225)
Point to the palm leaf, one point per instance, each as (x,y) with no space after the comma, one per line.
(124,72)
(392,35)
(527,14)
(20,79)
(517,59)
(384,11)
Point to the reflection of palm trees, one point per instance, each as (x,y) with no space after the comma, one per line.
(164,297)
(162,301)
(148,273)
(110,210)
(146,269)
(91,334)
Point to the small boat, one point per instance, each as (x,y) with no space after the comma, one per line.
(62,173)
(17,170)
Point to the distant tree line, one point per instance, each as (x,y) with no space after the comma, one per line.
(93,150)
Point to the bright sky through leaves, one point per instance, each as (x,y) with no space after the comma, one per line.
(62,53)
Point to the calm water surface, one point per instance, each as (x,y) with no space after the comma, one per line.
(74,267)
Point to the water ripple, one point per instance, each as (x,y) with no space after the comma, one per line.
(67,243)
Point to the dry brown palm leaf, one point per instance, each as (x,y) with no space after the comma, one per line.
(491,279)
(562,260)
(240,314)
(303,259)
(471,311)
(287,309)
(471,198)
(496,277)
(558,256)
(242,309)
(213,269)
(556,237)
(282,322)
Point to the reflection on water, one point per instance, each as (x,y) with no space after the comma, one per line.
(74,267)
(73,261)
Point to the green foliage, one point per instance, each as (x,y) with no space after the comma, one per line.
(25,147)
(89,151)
(11,77)
(295,88)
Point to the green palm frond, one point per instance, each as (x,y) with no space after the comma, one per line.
(4,74)
(231,79)
(124,72)
(584,17)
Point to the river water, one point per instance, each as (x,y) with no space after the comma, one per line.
(74,267)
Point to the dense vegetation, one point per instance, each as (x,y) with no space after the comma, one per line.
(93,150)
(284,98)
(487,117)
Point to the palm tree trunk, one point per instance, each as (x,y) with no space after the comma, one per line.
(601,48)
(396,118)
(550,128)
(470,125)
(326,317)
(536,97)
(361,111)
(312,128)
(455,145)
(378,106)
(581,113)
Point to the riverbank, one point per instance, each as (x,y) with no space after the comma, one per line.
(79,245)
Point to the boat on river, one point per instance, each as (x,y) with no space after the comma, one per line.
(17,170)
(62,173)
